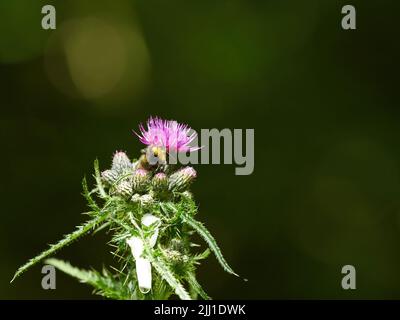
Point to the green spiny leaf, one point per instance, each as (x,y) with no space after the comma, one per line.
(191,278)
(203,255)
(68,239)
(206,235)
(82,275)
(105,286)
(86,193)
(97,176)
(166,273)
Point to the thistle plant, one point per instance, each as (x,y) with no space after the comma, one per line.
(148,210)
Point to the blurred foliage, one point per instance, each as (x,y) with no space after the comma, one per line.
(323,103)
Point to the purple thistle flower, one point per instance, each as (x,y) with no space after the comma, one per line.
(168,134)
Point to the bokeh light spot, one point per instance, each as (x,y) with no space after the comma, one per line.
(99,60)
(96,57)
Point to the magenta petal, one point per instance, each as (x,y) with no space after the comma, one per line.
(170,134)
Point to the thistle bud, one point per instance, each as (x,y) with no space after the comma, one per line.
(187,194)
(121,162)
(181,179)
(160,182)
(124,189)
(135,198)
(175,257)
(140,180)
(143,200)
(109,176)
(146,199)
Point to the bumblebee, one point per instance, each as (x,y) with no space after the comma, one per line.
(152,157)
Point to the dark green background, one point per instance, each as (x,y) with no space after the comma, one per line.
(323,102)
